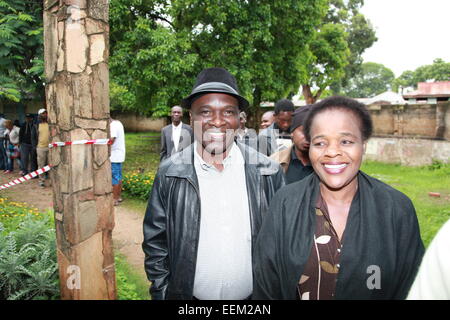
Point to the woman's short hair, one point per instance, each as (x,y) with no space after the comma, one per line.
(343,103)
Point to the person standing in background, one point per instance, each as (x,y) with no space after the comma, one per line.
(40,138)
(3,157)
(27,152)
(295,160)
(117,158)
(11,144)
(267,119)
(175,136)
(277,136)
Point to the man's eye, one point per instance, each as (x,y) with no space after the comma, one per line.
(229,112)
(205,112)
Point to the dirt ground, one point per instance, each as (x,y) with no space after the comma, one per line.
(127,233)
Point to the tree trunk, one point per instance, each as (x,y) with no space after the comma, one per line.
(256,109)
(307,94)
(76,35)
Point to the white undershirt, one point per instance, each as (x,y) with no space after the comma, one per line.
(224,256)
(176,133)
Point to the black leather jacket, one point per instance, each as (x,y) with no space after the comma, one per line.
(172,219)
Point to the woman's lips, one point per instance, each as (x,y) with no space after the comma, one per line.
(335,168)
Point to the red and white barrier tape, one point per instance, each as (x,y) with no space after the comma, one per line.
(47,168)
(68,143)
(26,177)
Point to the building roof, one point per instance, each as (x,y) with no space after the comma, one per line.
(430,90)
(386,97)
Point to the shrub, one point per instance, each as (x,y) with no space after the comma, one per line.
(28,267)
(138,185)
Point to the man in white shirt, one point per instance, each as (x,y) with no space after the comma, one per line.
(207,202)
(176,136)
(117,158)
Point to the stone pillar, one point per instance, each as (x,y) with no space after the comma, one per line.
(76,35)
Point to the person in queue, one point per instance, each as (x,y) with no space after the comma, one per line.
(338,233)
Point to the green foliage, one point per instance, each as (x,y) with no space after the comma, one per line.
(336,55)
(373,79)
(439,70)
(138,185)
(21,49)
(130,285)
(157,47)
(28,268)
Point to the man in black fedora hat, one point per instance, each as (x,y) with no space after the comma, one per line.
(207,202)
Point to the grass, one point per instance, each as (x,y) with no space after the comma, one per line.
(130,284)
(142,152)
(416,183)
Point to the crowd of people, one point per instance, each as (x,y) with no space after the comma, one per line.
(283,214)
(26,144)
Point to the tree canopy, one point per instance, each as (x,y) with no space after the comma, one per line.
(335,53)
(21,49)
(373,79)
(439,70)
(157,47)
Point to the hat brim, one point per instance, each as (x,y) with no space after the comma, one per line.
(214,87)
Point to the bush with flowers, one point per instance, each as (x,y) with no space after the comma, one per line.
(138,185)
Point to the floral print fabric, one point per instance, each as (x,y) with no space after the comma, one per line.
(318,281)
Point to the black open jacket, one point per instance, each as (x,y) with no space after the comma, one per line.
(172,219)
(381,231)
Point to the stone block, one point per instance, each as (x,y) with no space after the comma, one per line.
(82,104)
(103,179)
(97,49)
(87,218)
(50,44)
(95,26)
(100,151)
(87,260)
(81,162)
(100,91)
(98,9)
(77,46)
(64,101)
(90,124)
(105,210)
(77,3)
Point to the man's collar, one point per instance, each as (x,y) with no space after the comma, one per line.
(178,126)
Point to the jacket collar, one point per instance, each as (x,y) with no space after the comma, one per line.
(182,163)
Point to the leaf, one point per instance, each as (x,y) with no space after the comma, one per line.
(323,239)
(328,267)
(303,279)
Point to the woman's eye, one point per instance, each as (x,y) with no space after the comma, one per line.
(347,142)
(319,144)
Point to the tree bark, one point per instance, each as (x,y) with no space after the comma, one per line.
(76,35)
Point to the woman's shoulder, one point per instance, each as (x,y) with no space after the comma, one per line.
(385,192)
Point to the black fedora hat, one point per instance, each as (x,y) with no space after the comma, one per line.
(215,80)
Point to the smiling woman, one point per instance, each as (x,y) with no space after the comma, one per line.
(338,234)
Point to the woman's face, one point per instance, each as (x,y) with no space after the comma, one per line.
(336,148)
